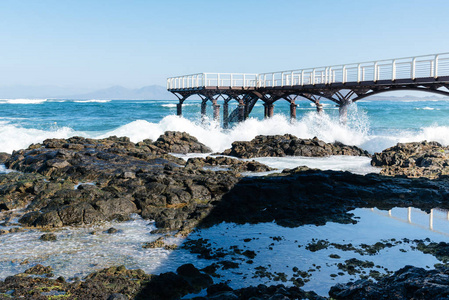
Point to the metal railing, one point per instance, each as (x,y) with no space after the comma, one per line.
(425,66)
(200,80)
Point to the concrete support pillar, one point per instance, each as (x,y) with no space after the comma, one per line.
(292,111)
(216,111)
(343,111)
(319,107)
(203,108)
(179,109)
(270,110)
(225,115)
(241,112)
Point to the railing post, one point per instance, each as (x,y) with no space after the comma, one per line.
(376,71)
(302,77)
(231,79)
(282,79)
(435,75)
(358,73)
(272,80)
(413,69)
(344,75)
(292,79)
(313,77)
(244,80)
(218,79)
(393,71)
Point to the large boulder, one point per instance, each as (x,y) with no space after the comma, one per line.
(418,159)
(290,145)
(180,142)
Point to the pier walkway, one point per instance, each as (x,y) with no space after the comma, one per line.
(342,84)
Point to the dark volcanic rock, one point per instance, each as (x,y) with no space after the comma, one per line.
(3,157)
(231,163)
(127,178)
(407,283)
(424,159)
(306,196)
(180,142)
(168,286)
(46,237)
(290,145)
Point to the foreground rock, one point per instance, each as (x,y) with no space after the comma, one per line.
(231,163)
(290,145)
(120,283)
(307,196)
(407,283)
(423,159)
(115,179)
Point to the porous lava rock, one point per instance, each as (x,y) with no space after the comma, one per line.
(407,283)
(229,162)
(79,181)
(418,159)
(290,145)
(180,142)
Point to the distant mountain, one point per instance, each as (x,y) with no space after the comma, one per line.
(37,92)
(151,92)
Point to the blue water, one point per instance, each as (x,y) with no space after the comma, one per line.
(373,125)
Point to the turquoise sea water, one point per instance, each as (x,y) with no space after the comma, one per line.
(373,125)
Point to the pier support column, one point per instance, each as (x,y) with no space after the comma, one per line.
(268,110)
(225,115)
(203,109)
(343,111)
(292,111)
(241,112)
(319,108)
(216,111)
(179,109)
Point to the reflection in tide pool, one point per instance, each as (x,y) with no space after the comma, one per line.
(279,252)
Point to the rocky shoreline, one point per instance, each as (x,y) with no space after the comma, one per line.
(79,181)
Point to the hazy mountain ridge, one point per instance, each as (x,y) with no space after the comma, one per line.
(151,92)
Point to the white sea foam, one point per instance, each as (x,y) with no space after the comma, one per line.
(22,101)
(173,105)
(426,108)
(92,101)
(326,128)
(15,138)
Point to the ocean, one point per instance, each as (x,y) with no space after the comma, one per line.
(372,125)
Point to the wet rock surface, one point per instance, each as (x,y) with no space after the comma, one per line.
(3,157)
(180,142)
(420,159)
(231,163)
(290,145)
(83,181)
(311,196)
(406,283)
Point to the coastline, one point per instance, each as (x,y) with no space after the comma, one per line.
(113,171)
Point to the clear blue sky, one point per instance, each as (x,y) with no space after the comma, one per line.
(96,44)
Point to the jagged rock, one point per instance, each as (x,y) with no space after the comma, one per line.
(3,157)
(39,270)
(407,283)
(423,159)
(117,178)
(48,237)
(231,163)
(180,142)
(290,145)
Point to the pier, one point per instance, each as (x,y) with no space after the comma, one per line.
(341,84)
